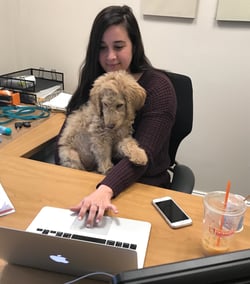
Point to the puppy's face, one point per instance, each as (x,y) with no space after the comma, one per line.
(116,97)
(113,109)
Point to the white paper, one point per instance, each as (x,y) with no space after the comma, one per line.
(6,207)
(59,102)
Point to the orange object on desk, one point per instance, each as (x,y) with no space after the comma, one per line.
(9,97)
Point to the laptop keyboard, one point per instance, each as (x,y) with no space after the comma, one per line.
(88,239)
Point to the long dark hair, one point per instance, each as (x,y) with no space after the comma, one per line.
(91,69)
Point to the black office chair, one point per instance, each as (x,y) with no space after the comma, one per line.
(183,178)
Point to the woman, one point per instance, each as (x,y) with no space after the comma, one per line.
(115,43)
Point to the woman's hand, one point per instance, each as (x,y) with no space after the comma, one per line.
(95,204)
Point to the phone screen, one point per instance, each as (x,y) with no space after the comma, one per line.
(171,211)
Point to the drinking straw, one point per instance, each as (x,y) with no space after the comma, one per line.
(224,207)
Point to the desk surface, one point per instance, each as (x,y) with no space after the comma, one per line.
(31,185)
(26,141)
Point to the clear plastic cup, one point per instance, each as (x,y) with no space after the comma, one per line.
(220,222)
(241,222)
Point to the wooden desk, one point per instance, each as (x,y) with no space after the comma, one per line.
(27,141)
(31,185)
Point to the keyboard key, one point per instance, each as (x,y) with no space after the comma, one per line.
(110,243)
(133,246)
(118,244)
(66,235)
(89,239)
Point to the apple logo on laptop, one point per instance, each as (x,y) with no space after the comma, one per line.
(59,258)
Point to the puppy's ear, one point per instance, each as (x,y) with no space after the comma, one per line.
(96,94)
(135,96)
(95,97)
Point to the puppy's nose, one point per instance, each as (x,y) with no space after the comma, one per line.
(111,125)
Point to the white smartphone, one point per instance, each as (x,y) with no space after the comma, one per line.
(172,212)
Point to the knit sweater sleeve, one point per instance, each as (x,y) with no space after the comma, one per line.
(152,131)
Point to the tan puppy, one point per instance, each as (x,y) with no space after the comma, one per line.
(102,129)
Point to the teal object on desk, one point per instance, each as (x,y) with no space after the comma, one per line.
(10,113)
(5,130)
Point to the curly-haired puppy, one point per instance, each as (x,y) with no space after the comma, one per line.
(102,129)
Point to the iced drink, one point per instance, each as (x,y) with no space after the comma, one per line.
(220,222)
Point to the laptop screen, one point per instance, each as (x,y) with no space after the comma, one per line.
(224,268)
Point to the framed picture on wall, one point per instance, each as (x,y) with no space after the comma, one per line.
(233,10)
(170,8)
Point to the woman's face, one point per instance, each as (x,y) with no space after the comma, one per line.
(116,49)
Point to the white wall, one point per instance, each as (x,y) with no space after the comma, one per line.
(54,34)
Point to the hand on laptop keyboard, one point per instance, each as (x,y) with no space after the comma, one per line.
(95,205)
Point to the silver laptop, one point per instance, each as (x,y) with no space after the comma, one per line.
(57,241)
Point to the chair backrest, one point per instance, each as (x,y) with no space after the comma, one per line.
(184,113)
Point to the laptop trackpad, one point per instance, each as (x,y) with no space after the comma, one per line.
(101,228)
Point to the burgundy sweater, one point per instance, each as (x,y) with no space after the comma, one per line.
(152,130)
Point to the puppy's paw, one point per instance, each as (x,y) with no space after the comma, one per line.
(72,164)
(139,157)
(104,169)
(70,159)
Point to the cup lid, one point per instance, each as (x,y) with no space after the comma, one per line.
(215,201)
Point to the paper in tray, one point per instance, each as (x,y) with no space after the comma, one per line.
(58,102)
(6,207)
